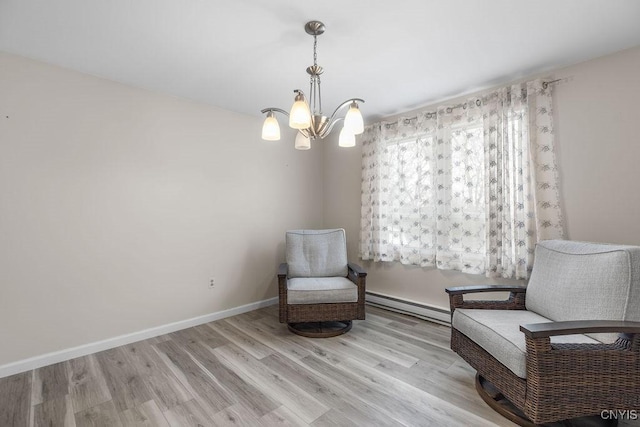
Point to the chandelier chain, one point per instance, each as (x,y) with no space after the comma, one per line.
(315,54)
(314,90)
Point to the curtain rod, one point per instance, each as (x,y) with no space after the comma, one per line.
(546,84)
(449,110)
(478,102)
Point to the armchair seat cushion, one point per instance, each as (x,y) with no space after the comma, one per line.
(321,290)
(498,332)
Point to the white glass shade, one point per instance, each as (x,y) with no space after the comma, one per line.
(353,120)
(346,139)
(271,128)
(302,142)
(300,115)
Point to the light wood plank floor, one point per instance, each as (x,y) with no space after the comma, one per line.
(249,370)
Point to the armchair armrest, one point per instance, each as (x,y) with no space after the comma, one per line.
(549,329)
(358,276)
(357,270)
(461,290)
(516,300)
(624,354)
(283,269)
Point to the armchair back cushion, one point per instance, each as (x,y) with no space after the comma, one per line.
(581,281)
(316,253)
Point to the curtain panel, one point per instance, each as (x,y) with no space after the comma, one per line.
(471,187)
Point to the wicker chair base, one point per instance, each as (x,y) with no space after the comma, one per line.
(320,329)
(496,400)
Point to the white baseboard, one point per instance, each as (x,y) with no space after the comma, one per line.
(94,347)
(423,311)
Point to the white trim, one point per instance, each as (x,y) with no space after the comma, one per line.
(423,311)
(94,347)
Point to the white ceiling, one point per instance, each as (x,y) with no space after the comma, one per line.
(244,55)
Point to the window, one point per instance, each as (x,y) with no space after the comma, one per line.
(456,189)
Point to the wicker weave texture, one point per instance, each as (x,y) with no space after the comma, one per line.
(573,380)
(321,312)
(512,387)
(516,301)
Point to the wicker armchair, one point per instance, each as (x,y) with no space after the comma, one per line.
(571,348)
(320,291)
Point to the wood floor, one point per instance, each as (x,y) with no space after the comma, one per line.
(250,370)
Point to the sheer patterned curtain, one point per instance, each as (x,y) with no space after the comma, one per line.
(398,181)
(470,187)
(460,191)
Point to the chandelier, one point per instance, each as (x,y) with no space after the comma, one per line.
(306,115)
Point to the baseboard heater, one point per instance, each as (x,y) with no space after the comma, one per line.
(422,311)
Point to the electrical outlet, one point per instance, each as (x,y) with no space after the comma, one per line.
(212,283)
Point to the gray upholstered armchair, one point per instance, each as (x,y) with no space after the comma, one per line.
(567,345)
(320,292)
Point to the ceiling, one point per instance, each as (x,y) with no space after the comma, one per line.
(244,55)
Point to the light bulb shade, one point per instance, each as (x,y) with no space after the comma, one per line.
(353,120)
(300,115)
(302,142)
(346,138)
(271,128)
